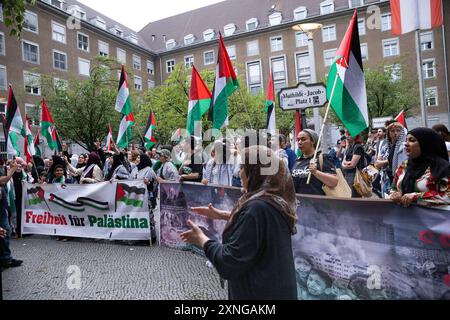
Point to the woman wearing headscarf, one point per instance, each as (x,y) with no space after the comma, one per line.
(354,158)
(219,169)
(255,255)
(91,173)
(121,168)
(424,177)
(396,135)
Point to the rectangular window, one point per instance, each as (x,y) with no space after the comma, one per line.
(327,7)
(136,62)
(303,67)
(2,44)
(329,33)
(300,13)
(329,56)
(138,83)
(427,41)
(84,67)
(170,66)
(103,48)
(362,27)
(232,52)
(59,60)
(364,52)
(386,22)
(30,22)
(1,11)
(390,48)
(121,56)
(252,48)
(431,97)
(34,114)
(279,73)
(58,32)
(32,83)
(150,67)
(83,42)
(3,78)
(429,69)
(189,61)
(254,77)
(276,44)
(301,39)
(150,84)
(208,58)
(30,52)
(355,3)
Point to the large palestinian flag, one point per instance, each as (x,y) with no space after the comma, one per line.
(125,132)
(199,101)
(129,196)
(123,102)
(149,138)
(48,129)
(13,126)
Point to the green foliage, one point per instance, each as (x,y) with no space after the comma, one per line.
(14,15)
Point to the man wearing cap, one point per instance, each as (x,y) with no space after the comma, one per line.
(167,171)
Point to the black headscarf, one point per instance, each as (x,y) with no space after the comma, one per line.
(118,160)
(144,162)
(433,155)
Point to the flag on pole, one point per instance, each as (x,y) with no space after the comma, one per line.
(123,100)
(401,119)
(411,15)
(109,139)
(346,78)
(125,133)
(199,101)
(226,83)
(29,141)
(298,129)
(48,126)
(270,107)
(149,139)
(37,143)
(57,140)
(13,125)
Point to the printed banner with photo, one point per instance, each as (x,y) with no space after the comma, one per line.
(344,249)
(108,210)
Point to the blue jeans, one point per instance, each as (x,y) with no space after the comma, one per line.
(5,251)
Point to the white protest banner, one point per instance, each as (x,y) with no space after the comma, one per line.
(108,210)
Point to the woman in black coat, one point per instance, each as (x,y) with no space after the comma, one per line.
(255,255)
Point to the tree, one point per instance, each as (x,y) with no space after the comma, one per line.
(14,15)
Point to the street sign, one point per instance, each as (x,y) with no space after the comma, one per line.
(303,96)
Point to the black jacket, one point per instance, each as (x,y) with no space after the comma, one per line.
(256,255)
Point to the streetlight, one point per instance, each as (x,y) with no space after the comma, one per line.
(310,29)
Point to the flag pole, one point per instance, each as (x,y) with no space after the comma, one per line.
(323,125)
(421,84)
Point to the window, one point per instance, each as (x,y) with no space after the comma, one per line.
(34,112)
(84,67)
(170,44)
(208,34)
(30,22)
(431,97)
(1,11)
(275,18)
(136,62)
(386,22)
(2,44)
(83,42)
(394,71)
(189,61)
(254,77)
(429,69)
(364,52)
(150,67)
(362,27)
(329,33)
(103,48)
(426,40)
(390,48)
(150,84)
(132,38)
(77,12)
(303,67)
(3,78)
(276,44)
(30,52)
(329,56)
(56,3)
(59,60)
(138,83)
(327,7)
(300,13)
(116,30)
(301,39)
(229,29)
(251,24)
(279,73)
(208,58)
(232,52)
(189,39)
(355,3)
(99,22)
(253,48)
(170,66)
(121,56)
(32,83)
(58,32)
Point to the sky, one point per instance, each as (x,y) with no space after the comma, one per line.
(136,14)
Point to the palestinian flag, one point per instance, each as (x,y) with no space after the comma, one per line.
(125,133)
(226,83)
(57,140)
(109,139)
(130,196)
(35,196)
(72,206)
(199,101)
(29,141)
(123,100)
(149,139)
(401,119)
(270,107)
(346,88)
(298,129)
(48,127)
(13,125)
(37,143)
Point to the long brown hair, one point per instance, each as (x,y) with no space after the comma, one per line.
(276,189)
